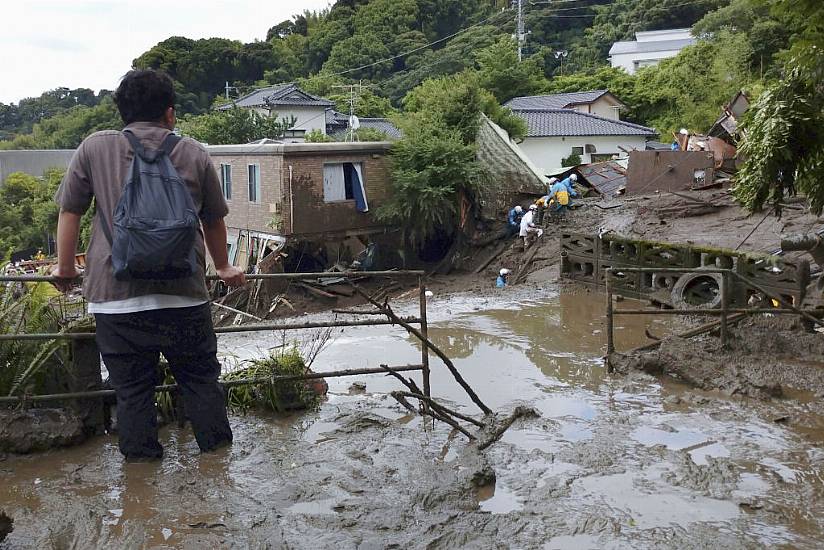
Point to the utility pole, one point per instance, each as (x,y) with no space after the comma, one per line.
(230,88)
(520,30)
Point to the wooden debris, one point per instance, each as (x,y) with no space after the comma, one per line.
(315,291)
(498,432)
(495,254)
(387,310)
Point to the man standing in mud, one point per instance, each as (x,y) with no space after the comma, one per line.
(137,319)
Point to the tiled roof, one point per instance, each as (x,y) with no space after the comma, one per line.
(554,101)
(566,122)
(650,46)
(384,125)
(507,165)
(280,95)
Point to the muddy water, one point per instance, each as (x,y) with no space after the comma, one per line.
(611,463)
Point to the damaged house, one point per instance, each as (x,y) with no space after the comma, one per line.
(324,193)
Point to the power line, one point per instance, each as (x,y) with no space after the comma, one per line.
(420,47)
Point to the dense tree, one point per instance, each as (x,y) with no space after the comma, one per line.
(500,73)
(689,89)
(20,118)
(784,130)
(367,104)
(68,128)
(360,50)
(233,125)
(28,213)
(458,54)
(435,170)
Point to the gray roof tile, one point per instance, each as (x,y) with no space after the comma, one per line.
(281,94)
(382,124)
(566,122)
(554,101)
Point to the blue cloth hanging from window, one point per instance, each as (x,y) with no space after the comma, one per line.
(355,175)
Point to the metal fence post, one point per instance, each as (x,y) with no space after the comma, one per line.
(610,341)
(724,307)
(425,333)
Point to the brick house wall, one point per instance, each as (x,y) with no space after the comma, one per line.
(311,214)
(291,185)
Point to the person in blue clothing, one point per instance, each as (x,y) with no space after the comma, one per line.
(568,183)
(513,220)
(552,181)
(501,281)
(560,193)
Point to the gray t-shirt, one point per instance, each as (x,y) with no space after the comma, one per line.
(98,170)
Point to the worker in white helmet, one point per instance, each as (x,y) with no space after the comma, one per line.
(529,229)
(513,220)
(503,275)
(561,192)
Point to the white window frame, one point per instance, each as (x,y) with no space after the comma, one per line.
(226,182)
(253,186)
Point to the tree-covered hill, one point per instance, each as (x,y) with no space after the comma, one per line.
(394,45)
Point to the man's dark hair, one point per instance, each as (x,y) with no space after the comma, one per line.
(144,95)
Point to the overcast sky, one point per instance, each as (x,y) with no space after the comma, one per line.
(45,44)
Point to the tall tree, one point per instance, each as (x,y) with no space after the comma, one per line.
(784,130)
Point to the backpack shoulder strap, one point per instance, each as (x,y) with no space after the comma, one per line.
(170,143)
(137,147)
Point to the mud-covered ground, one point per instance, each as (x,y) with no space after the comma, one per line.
(765,357)
(613,461)
(656,216)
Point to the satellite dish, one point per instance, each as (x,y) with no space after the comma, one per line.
(354,123)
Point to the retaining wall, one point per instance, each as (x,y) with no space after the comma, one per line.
(585,259)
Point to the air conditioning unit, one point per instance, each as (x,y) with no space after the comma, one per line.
(590,148)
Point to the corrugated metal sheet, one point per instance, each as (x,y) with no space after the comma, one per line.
(605,177)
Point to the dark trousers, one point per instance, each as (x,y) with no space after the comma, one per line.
(130,345)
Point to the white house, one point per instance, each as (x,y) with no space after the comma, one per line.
(286,101)
(554,133)
(648,48)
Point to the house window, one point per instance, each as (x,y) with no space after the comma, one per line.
(345,182)
(578,151)
(254,183)
(601,157)
(338,181)
(226,180)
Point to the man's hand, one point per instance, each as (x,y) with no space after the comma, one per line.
(231,275)
(66,277)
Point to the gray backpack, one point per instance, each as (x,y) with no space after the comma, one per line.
(155,222)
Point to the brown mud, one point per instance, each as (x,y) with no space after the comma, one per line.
(616,462)
(658,217)
(765,357)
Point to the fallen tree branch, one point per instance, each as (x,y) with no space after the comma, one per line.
(400,398)
(697,331)
(495,254)
(406,404)
(387,310)
(519,412)
(442,409)
(356,312)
